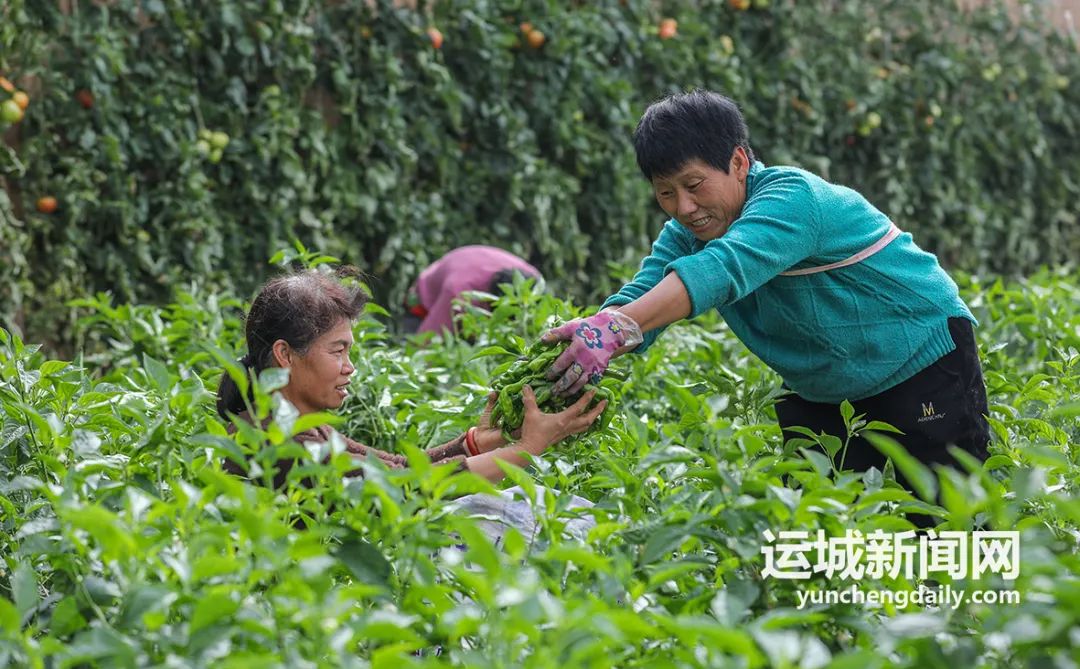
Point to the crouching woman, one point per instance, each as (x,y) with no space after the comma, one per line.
(303,322)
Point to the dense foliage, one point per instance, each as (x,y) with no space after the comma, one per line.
(188,139)
(123,543)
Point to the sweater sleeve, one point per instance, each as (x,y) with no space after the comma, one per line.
(451,451)
(673,243)
(779,226)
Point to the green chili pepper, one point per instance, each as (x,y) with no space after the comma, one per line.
(514,388)
(544,360)
(506,404)
(605,419)
(543,396)
(530,369)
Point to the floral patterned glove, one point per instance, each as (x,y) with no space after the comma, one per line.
(593,342)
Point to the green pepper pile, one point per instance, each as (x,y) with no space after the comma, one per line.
(529,370)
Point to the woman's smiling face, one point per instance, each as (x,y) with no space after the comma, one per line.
(319,378)
(703,199)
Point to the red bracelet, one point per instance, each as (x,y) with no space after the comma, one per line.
(470,441)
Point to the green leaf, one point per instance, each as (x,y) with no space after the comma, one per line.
(24,588)
(1071,410)
(999,462)
(578,555)
(66,618)
(211,608)
(10,620)
(662,541)
(100,643)
(872,479)
(822,464)
(273,378)
(920,477)
(50,367)
(805,431)
(883,495)
(313,420)
(831,444)
(372,308)
(157,373)
(847,412)
(731,605)
(880,426)
(101,591)
(489,351)
(210,565)
(520,477)
(104,526)
(364,561)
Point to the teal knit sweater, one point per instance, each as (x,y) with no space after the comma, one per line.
(845,333)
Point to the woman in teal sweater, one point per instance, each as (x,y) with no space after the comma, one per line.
(819,284)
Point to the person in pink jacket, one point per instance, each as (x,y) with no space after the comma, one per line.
(429,304)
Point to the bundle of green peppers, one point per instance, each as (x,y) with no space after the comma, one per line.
(530,369)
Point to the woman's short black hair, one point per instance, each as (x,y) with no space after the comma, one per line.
(679,128)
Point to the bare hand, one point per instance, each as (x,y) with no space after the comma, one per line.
(489,437)
(485,416)
(540,430)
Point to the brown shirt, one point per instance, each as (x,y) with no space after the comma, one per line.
(451,451)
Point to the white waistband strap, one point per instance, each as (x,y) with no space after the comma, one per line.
(892,234)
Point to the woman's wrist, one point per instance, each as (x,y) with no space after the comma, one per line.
(533,446)
(470,444)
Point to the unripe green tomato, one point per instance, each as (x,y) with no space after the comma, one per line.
(219,140)
(10,112)
(264,31)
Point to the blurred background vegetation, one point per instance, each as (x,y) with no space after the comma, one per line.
(386,135)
